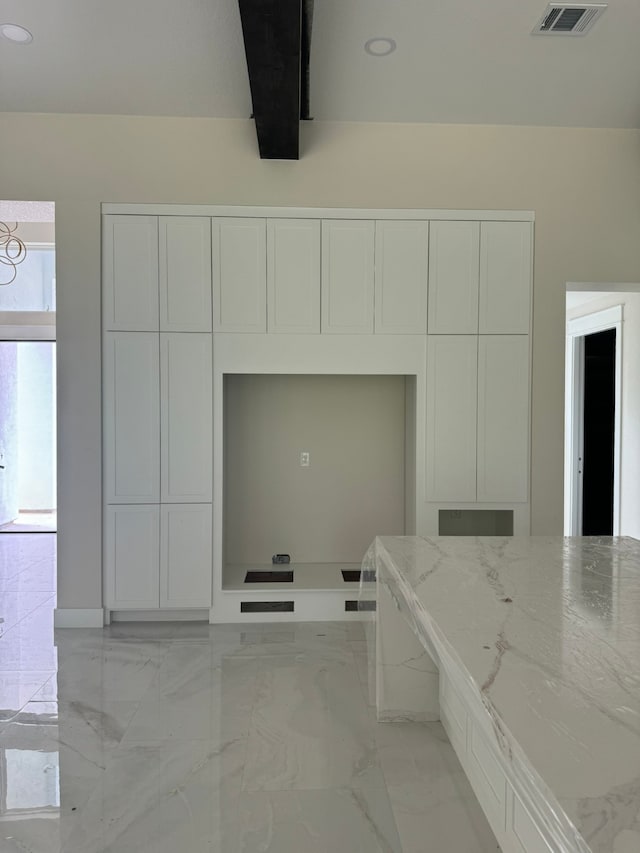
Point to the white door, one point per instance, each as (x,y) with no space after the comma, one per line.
(130,273)
(186,418)
(239,249)
(454,266)
(131,417)
(505,277)
(503,418)
(402,270)
(132,557)
(452,376)
(185,274)
(185,555)
(347,276)
(293,276)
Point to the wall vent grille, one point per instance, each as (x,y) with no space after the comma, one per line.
(569,19)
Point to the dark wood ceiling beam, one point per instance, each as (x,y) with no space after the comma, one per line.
(272,39)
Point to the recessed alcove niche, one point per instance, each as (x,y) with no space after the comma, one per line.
(358,432)
(355,404)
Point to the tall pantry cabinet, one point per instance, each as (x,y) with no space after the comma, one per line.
(157,401)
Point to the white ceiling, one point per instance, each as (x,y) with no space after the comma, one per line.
(461,61)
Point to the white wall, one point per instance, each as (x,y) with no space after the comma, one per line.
(354,429)
(584,186)
(630,403)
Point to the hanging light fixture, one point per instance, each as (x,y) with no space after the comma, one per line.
(12,252)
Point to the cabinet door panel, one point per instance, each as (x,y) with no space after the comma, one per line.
(454,265)
(185,274)
(347,277)
(452,362)
(239,275)
(186,420)
(503,418)
(132,552)
(293,275)
(505,277)
(132,417)
(402,258)
(185,555)
(130,273)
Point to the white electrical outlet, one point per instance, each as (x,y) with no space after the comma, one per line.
(305,459)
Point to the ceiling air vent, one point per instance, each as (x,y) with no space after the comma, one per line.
(568,19)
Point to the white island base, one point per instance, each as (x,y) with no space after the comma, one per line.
(528,651)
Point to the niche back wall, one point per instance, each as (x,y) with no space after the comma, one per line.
(353,427)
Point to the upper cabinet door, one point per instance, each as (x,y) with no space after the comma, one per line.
(186,418)
(239,275)
(452,376)
(185,274)
(347,277)
(132,417)
(454,261)
(293,276)
(505,277)
(503,418)
(402,257)
(130,273)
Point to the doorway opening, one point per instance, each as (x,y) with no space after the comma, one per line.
(27,368)
(598,433)
(593,422)
(27,436)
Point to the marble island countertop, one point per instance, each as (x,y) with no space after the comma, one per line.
(547,632)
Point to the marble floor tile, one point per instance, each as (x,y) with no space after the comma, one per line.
(197,696)
(338,820)
(18,688)
(310,727)
(28,646)
(14,606)
(164,797)
(37,577)
(19,551)
(99,670)
(428,788)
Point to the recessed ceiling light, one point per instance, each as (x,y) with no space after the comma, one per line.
(380,46)
(16,33)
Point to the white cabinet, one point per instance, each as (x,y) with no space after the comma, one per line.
(503,418)
(132,417)
(454,266)
(293,276)
(185,273)
(130,273)
(132,557)
(477,424)
(505,277)
(347,276)
(402,260)
(158,556)
(452,371)
(239,250)
(186,417)
(185,555)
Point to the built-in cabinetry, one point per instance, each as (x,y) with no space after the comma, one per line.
(157,401)
(441,296)
(509,810)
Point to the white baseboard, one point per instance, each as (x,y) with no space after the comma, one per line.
(159,616)
(78,617)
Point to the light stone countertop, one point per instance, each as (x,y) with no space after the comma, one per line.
(547,630)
